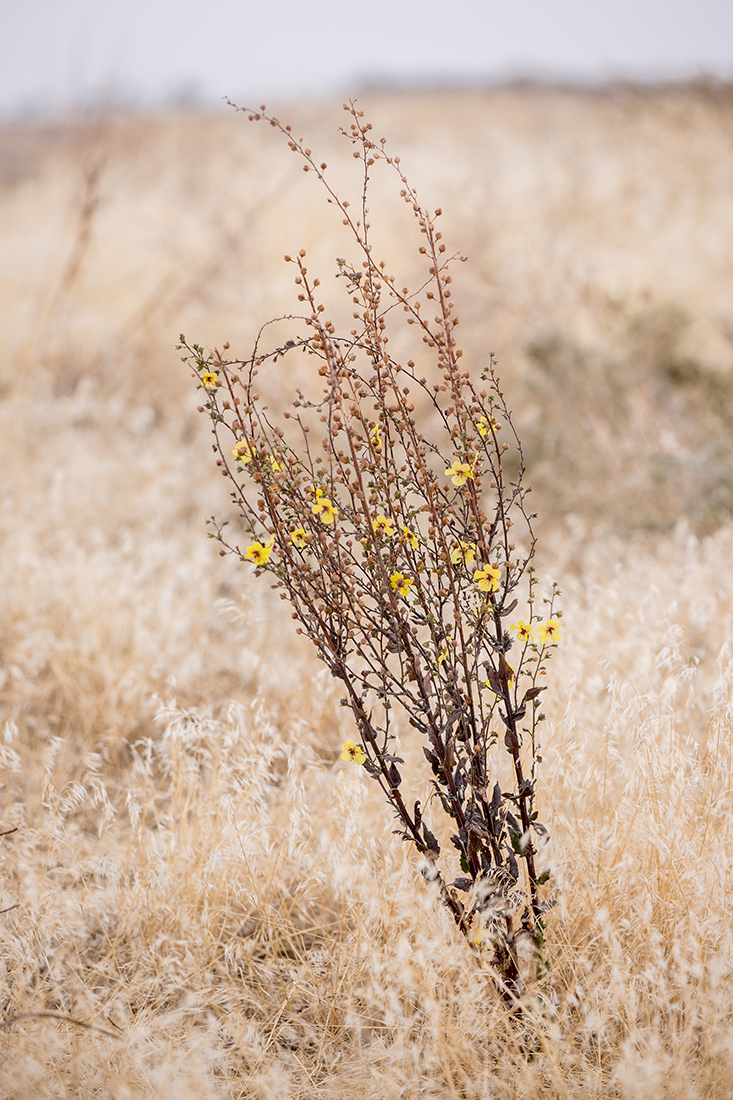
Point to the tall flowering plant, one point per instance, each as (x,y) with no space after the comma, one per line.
(381,507)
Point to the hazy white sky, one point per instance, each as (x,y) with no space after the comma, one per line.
(59,53)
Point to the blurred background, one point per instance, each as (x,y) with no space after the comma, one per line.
(582,154)
(66,54)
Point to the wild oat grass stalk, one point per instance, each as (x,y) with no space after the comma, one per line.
(403,544)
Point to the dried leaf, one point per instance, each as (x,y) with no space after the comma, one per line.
(431,758)
(451,721)
(431,842)
(478,829)
(394,776)
(505,669)
(494,681)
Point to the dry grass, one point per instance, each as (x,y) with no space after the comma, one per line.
(199,882)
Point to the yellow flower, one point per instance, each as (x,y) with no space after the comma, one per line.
(463,552)
(209,379)
(401,583)
(482,940)
(382,525)
(328,512)
(409,537)
(524,631)
(549,633)
(277,466)
(488,579)
(460,472)
(443,655)
(243,452)
(351,751)
(298,537)
(375,435)
(259,552)
(487,424)
(324,508)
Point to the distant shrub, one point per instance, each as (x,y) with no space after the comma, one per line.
(404,548)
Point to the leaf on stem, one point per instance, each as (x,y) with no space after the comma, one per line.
(430,840)
(494,681)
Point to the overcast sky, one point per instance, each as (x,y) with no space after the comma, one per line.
(58,54)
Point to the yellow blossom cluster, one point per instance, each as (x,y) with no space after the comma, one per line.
(547,633)
(243,452)
(383,525)
(351,751)
(523,631)
(460,472)
(488,579)
(463,553)
(324,508)
(259,552)
(401,583)
(487,424)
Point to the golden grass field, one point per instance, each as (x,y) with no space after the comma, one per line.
(201,900)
